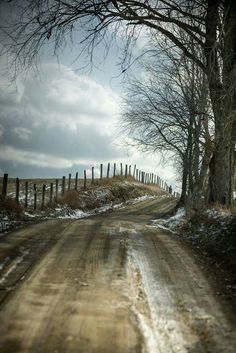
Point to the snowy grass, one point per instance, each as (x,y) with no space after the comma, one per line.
(65,212)
(171,223)
(102,196)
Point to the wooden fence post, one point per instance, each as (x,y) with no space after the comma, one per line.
(4,185)
(35,196)
(136,176)
(56,194)
(51,195)
(43,196)
(134,171)
(76,181)
(69,181)
(101,166)
(130,170)
(63,185)
(121,169)
(85,179)
(108,170)
(17,190)
(114,170)
(26,194)
(92,175)
(126,170)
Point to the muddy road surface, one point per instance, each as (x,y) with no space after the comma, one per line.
(111,283)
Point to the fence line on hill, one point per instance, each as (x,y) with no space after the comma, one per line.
(51,191)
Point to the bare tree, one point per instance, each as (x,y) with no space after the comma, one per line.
(209,24)
(168,109)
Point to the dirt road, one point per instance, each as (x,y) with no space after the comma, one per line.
(109,284)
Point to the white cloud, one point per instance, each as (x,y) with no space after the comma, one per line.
(70,100)
(62,105)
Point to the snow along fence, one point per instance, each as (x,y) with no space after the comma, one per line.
(37,193)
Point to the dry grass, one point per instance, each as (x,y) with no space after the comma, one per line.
(225,209)
(105,191)
(9,206)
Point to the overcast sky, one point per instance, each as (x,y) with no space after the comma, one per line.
(62,120)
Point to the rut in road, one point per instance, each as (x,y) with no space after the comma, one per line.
(112,283)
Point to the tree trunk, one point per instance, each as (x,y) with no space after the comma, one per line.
(220,166)
(182,200)
(222,92)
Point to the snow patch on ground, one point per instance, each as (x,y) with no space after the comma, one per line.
(160,226)
(175,222)
(148,333)
(161,330)
(170,223)
(64,212)
(30,215)
(218,214)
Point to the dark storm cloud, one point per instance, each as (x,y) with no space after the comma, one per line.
(57,141)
